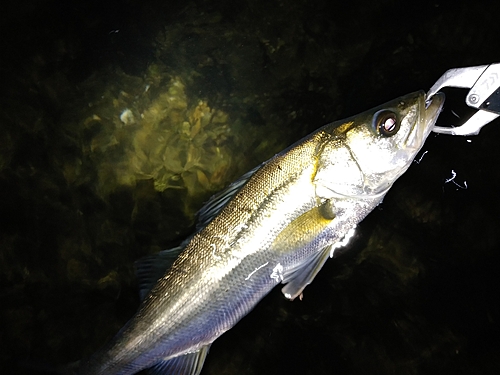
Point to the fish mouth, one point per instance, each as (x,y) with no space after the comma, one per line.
(433,107)
(430,108)
(428,112)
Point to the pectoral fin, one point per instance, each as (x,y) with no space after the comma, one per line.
(302,276)
(304,229)
(187,364)
(299,234)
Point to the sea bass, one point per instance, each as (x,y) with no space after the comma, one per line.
(279,223)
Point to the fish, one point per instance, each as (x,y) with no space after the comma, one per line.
(277,224)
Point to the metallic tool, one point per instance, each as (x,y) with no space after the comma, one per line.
(484,95)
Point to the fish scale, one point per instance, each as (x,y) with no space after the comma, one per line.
(277,224)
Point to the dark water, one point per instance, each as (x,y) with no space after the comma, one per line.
(119,119)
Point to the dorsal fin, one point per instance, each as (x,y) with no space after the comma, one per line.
(150,268)
(219,200)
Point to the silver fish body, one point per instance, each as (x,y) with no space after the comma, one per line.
(277,224)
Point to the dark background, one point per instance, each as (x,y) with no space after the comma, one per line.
(416,292)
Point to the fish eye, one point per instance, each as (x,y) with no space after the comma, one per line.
(386,123)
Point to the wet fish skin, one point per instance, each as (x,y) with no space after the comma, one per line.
(277,224)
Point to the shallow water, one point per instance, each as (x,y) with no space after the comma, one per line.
(119,121)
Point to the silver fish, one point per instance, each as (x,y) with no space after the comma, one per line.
(279,223)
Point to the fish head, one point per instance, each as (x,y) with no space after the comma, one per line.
(364,154)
